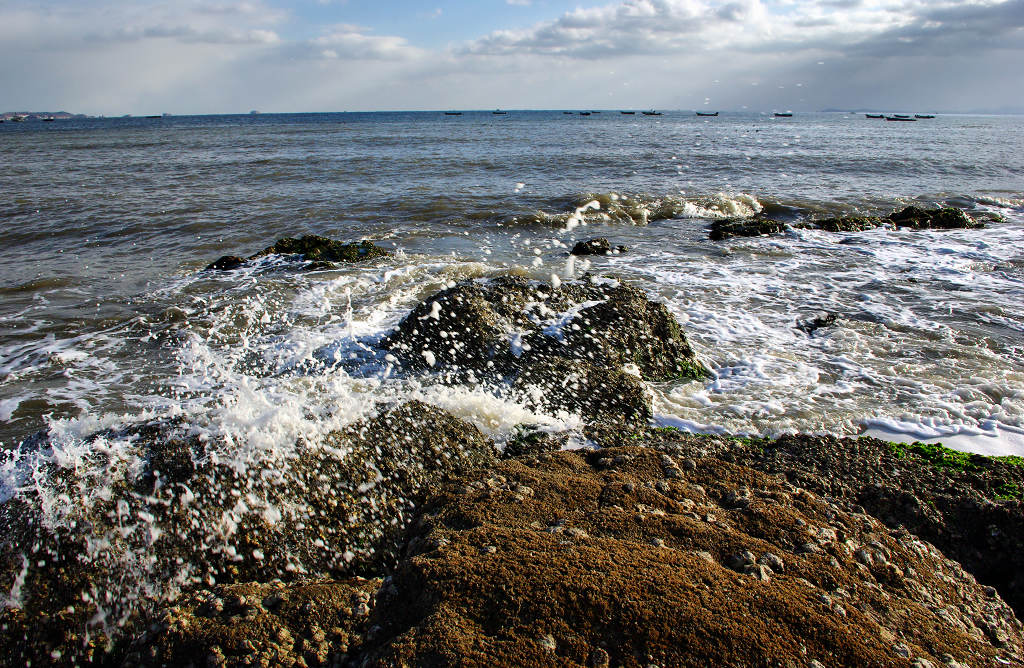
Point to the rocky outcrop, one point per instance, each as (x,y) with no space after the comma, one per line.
(596,246)
(319,252)
(559,348)
(971,507)
(911,217)
(179,513)
(634,557)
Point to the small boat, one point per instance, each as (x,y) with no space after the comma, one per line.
(584,113)
(499,112)
(567,113)
(18,118)
(924,115)
(899,116)
(155,116)
(905,119)
(651,113)
(453,113)
(595,112)
(780,114)
(707,113)
(874,115)
(48,119)
(628,113)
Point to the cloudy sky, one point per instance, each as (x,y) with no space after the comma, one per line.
(190,56)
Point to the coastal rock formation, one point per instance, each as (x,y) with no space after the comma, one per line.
(503,325)
(596,246)
(631,556)
(174,512)
(317,250)
(969,506)
(911,217)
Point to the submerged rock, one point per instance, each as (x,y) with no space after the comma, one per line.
(601,561)
(813,323)
(597,246)
(912,217)
(319,251)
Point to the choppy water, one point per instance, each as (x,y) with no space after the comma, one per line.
(105,318)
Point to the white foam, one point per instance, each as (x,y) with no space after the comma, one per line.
(991,438)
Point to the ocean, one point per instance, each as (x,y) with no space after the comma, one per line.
(107,319)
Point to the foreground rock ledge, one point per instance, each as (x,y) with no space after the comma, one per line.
(636,557)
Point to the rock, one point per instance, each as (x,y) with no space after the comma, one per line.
(811,324)
(744,227)
(292,631)
(938,219)
(509,608)
(185,514)
(467,328)
(598,246)
(848,224)
(314,248)
(226,263)
(318,252)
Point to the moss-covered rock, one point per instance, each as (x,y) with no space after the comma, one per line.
(911,217)
(948,218)
(744,227)
(633,557)
(318,252)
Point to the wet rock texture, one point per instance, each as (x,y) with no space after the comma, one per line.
(911,217)
(189,517)
(635,557)
(319,252)
(596,246)
(316,623)
(564,347)
(968,506)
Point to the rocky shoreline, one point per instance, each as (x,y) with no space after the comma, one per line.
(410,538)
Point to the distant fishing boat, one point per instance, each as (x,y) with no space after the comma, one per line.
(155,116)
(48,119)
(874,115)
(567,113)
(905,119)
(499,112)
(924,115)
(783,114)
(652,113)
(584,113)
(628,113)
(707,113)
(19,118)
(453,113)
(901,116)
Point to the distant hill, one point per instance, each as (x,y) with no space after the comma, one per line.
(36,115)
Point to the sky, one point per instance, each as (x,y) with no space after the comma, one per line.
(114,57)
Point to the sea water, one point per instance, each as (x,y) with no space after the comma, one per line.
(106,318)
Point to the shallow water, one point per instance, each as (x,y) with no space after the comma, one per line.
(105,318)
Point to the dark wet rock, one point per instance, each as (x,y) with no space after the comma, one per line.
(601,393)
(181,512)
(933,219)
(503,327)
(531,440)
(318,253)
(744,227)
(813,323)
(597,246)
(911,217)
(226,263)
(312,623)
(848,224)
(652,570)
(315,248)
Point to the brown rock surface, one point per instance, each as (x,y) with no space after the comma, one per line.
(636,557)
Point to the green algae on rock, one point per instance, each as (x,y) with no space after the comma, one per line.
(317,250)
